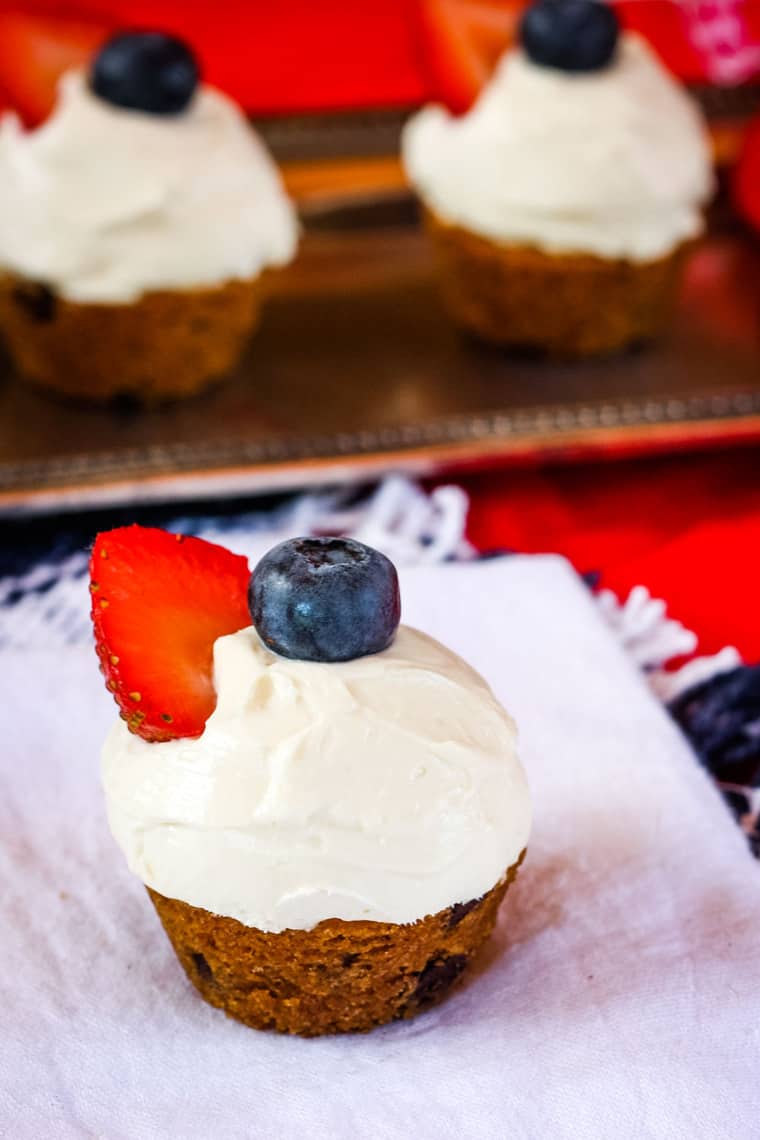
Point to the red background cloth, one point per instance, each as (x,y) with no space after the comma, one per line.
(303,55)
(687,527)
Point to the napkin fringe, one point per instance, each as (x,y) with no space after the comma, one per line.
(653,641)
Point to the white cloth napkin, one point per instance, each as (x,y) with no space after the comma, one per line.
(619,998)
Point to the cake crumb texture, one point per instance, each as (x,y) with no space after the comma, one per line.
(567,305)
(166,345)
(340,976)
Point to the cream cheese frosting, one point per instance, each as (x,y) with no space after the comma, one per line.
(614,162)
(105,204)
(384,788)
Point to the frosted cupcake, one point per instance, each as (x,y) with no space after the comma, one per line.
(328,816)
(562,204)
(135,225)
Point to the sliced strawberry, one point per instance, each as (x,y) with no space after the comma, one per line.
(159,602)
(462,41)
(34,53)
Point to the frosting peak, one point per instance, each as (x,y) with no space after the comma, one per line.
(612,162)
(105,204)
(384,788)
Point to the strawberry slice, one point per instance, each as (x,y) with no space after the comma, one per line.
(462,41)
(159,602)
(34,53)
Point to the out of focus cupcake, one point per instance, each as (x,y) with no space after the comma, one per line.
(562,204)
(135,226)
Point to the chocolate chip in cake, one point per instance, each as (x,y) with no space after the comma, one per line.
(459,911)
(37,299)
(436,978)
(205,972)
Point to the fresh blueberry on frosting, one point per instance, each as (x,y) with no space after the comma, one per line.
(145,71)
(570,35)
(325,599)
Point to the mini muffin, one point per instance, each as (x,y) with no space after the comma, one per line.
(562,204)
(135,227)
(327,808)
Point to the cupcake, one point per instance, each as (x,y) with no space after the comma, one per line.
(562,204)
(135,225)
(326,807)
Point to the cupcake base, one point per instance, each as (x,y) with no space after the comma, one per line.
(567,305)
(166,345)
(339,977)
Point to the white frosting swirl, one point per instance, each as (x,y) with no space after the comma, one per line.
(614,162)
(383,788)
(105,204)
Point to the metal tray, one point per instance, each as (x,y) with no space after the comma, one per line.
(356,372)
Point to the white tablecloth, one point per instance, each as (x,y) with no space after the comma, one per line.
(619,998)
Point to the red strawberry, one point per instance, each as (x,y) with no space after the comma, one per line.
(34,53)
(462,41)
(159,601)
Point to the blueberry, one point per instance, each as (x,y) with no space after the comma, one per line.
(324,599)
(145,71)
(571,35)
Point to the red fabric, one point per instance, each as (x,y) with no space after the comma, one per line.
(302,55)
(746,177)
(686,527)
(272,58)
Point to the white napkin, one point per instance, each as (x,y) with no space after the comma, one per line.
(619,998)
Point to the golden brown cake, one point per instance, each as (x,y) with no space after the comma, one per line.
(339,977)
(566,305)
(164,346)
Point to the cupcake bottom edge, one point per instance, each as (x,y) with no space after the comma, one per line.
(166,345)
(564,305)
(339,977)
